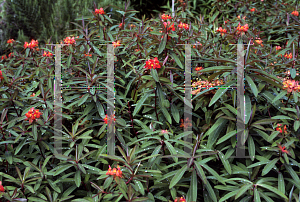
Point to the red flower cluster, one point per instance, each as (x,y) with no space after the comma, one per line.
(186,123)
(3,57)
(99,11)
(277,47)
(152,64)
(252,9)
(169,27)
(242,29)
(259,42)
(279,128)
(194,46)
(117,43)
(106,120)
(1,187)
(295,13)
(69,40)
(33,114)
(47,54)
(10,41)
(33,94)
(31,45)
(11,55)
(120,25)
(183,25)
(282,148)
(291,85)
(204,85)
(87,55)
(116,172)
(165,17)
(222,31)
(288,56)
(1,77)
(198,68)
(180,200)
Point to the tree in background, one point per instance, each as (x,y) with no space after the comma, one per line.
(48,19)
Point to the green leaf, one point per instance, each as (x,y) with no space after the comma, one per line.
(225,162)
(227,196)
(56,188)
(200,172)
(272,189)
(166,114)
(77,178)
(140,103)
(247,109)
(34,130)
(140,187)
(172,151)
(62,169)
(155,75)
(252,85)
(292,173)
(228,135)
(178,62)
(282,117)
(296,125)
(213,132)
(107,182)
(162,44)
(242,190)
(251,147)
(280,95)
(20,145)
(69,60)
(256,195)
(269,166)
(211,192)
(193,186)
(221,91)
(178,175)
(175,113)
(281,184)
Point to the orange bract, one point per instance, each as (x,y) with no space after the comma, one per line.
(69,40)
(1,77)
(291,85)
(1,187)
(295,13)
(288,56)
(99,11)
(277,47)
(115,172)
(10,41)
(169,26)
(183,25)
(242,29)
(116,43)
(180,200)
(165,17)
(109,120)
(222,31)
(152,64)
(31,45)
(47,54)
(32,114)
